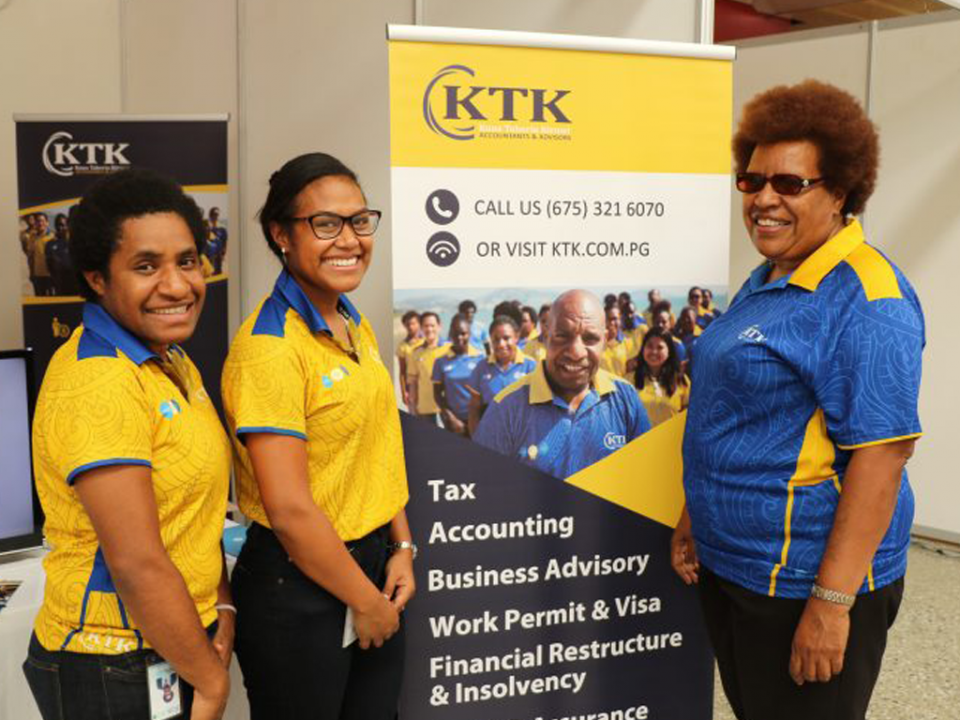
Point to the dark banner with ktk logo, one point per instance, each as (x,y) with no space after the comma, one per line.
(58,158)
(549,289)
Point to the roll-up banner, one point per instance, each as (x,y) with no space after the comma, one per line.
(526,166)
(58,158)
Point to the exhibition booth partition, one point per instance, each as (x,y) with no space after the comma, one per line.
(524,166)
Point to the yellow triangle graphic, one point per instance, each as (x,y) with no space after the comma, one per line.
(646,476)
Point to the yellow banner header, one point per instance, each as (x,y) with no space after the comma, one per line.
(516,107)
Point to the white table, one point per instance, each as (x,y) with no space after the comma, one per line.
(16,624)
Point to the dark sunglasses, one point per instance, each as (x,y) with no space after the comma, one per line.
(782,184)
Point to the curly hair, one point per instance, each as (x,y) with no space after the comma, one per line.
(96,223)
(830,118)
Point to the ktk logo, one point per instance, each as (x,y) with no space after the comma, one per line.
(63,157)
(462,104)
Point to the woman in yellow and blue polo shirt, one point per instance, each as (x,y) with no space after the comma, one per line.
(661,383)
(506,364)
(132,468)
(320,466)
(802,415)
(451,374)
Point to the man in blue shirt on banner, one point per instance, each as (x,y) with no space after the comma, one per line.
(568,413)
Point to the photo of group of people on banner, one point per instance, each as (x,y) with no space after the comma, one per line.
(46,249)
(460,374)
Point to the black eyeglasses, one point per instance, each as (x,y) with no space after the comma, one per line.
(327,226)
(782,184)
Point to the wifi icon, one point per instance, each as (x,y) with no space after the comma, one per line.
(443,249)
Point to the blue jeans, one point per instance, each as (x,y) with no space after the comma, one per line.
(80,686)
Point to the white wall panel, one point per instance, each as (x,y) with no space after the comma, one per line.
(57,56)
(915,218)
(642,19)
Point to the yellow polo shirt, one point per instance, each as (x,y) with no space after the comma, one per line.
(420,370)
(287,374)
(659,405)
(406,347)
(536,348)
(105,400)
(614,357)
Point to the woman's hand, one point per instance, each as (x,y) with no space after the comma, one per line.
(376,623)
(683,551)
(820,642)
(223,639)
(400,586)
(453,423)
(210,703)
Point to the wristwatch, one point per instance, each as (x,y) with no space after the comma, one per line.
(833,596)
(405,545)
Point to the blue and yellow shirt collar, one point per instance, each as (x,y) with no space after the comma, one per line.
(540,391)
(103,336)
(816,267)
(518,357)
(288,292)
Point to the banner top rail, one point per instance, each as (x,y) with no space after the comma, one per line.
(471,36)
(110,117)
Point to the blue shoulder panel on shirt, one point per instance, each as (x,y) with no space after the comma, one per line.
(272,319)
(92,345)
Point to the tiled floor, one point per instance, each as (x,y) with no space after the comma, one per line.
(921,668)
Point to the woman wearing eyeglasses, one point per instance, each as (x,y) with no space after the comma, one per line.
(320,468)
(802,416)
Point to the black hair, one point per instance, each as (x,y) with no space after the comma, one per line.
(409,315)
(544,308)
(95,222)
(629,316)
(429,313)
(286,185)
(504,320)
(671,374)
(678,329)
(530,312)
(456,320)
(608,300)
(511,310)
(691,290)
(466,306)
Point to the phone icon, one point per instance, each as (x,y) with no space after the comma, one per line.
(438,209)
(442,207)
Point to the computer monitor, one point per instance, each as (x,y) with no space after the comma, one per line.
(21,520)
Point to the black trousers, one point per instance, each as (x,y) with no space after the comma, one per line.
(290,635)
(752,635)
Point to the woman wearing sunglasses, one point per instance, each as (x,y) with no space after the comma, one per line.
(320,470)
(802,416)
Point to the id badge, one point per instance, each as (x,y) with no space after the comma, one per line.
(163,684)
